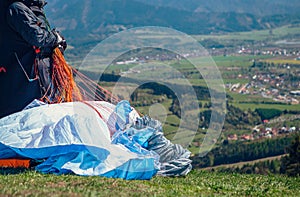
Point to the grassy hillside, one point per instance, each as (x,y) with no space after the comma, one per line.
(195,184)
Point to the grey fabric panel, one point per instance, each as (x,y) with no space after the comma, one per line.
(173,157)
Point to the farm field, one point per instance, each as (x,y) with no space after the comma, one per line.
(257,35)
(230,67)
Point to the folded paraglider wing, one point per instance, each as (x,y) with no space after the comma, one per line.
(74,138)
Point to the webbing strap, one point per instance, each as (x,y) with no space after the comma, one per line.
(20,64)
(14,163)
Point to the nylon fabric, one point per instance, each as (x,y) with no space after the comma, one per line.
(71,137)
(174,158)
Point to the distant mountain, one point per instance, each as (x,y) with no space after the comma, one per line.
(255,7)
(92,20)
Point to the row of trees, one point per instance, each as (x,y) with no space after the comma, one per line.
(263,167)
(235,118)
(241,151)
(289,164)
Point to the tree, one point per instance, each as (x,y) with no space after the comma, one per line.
(291,163)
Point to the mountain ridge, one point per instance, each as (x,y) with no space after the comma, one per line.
(256,7)
(90,20)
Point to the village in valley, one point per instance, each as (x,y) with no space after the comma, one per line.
(263,132)
(274,81)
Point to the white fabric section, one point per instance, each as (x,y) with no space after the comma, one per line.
(65,124)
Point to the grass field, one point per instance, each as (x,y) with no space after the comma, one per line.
(197,183)
(258,35)
(254,106)
(283,61)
